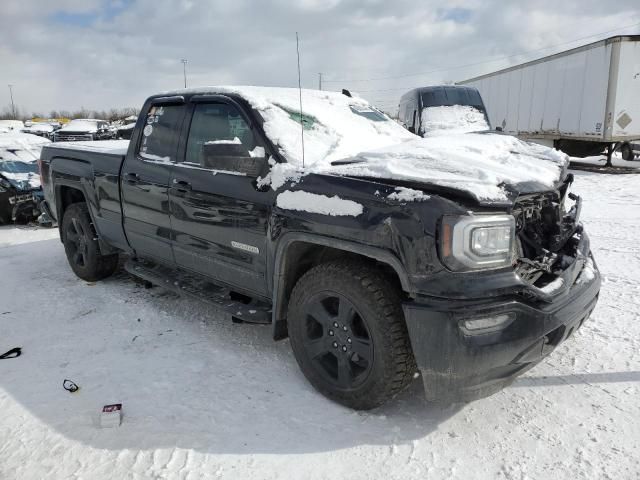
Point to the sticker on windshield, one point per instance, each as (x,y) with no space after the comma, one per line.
(148,130)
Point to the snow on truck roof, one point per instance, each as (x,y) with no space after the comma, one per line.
(335,126)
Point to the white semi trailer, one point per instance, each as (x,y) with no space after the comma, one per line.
(581,101)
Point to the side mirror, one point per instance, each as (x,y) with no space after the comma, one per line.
(233,157)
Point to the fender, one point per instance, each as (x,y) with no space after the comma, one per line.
(278,279)
(75,174)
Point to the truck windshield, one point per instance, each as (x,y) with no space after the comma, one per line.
(10,166)
(447,96)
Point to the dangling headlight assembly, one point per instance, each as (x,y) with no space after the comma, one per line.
(477,242)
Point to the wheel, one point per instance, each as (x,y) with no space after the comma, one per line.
(348,334)
(627,152)
(81,245)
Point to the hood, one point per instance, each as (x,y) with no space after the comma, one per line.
(491,168)
(22,181)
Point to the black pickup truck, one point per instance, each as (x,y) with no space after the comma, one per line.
(461,258)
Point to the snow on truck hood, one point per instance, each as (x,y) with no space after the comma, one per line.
(341,128)
(484,165)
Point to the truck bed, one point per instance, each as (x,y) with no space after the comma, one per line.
(93,168)
(99,153)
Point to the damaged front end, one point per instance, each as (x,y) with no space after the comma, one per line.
(551,248)
(18,205)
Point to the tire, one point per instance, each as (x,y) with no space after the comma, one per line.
(367,359)
(627,152)
(81,245)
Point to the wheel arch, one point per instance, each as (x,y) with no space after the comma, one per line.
(68,194)
(296,253)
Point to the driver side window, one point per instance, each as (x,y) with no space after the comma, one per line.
(219,137)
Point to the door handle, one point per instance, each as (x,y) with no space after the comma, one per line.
(181,185)
(132,178)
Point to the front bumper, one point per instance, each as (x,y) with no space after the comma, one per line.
(459,366)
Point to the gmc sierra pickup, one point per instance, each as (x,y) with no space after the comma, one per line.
(378,253)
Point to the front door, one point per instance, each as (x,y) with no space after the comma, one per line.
(218,216)
(145,183)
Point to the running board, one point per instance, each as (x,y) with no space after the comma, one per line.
(191,285)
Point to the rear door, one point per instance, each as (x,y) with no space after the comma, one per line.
(218,215)
(145,182)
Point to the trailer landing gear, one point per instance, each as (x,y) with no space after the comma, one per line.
(610,149)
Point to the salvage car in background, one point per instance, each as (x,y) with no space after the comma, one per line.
(20,191)
(11,125)
(42,129)
(84,129)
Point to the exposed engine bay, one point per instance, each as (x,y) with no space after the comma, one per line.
(547,233)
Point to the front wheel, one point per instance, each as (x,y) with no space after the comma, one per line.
(348,334)
(81,245)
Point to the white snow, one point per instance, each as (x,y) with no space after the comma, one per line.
(32,179)
(87,125)
(471,162)
(235,141)
(553,286)
(207,398)
(403,194)
(24,141)
(117,147)
(10,125)
(452,119)
(314,203)
(38,127)
(588,272)
(338,127)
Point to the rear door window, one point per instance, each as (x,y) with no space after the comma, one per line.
(161,132)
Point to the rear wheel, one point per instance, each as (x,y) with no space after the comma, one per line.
(627,152)
(348,334)
(82,248)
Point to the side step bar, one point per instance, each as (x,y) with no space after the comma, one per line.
(191,285)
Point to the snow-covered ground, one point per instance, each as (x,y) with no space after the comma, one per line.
(206,398)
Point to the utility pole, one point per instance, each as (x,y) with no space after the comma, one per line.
(184,71)
(320,81)
(13,107)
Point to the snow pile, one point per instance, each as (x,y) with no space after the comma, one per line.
(403,194)
(480,164)
(38,127)
(22,180)
(552,287)
(313,203)
(82,125)
(452,119)
(588,272)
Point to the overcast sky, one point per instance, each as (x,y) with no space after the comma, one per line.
(100,54)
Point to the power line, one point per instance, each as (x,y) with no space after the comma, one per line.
(476,63)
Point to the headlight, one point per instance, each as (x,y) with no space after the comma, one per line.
(477,242)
